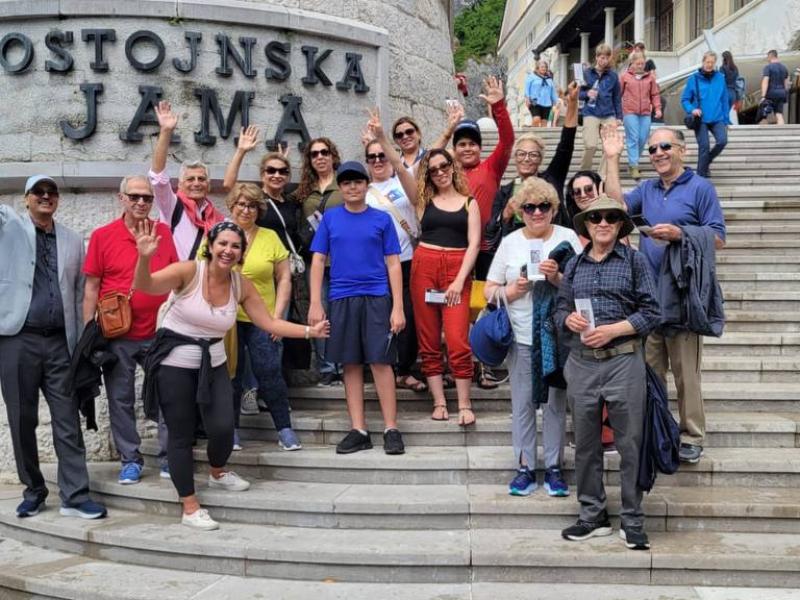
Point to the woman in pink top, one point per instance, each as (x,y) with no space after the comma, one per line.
(640,98)
(186,364)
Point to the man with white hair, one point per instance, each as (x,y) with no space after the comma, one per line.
(189,212)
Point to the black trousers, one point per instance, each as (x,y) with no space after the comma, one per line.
(30,362)
(407,347)
(177,393)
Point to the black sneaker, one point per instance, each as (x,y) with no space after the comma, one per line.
(328,380)
(353,442)
(583,530)
(689,453)
(634,537)
(393,442)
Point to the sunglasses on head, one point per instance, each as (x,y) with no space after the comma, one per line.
(444,168)
(376,157)
(587,190)
(542,207)
(42,192)
(401,133)
(323,152)
(276,170)
(146,198)
(665,146)
(612,218)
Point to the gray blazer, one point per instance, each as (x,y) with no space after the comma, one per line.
(18,253)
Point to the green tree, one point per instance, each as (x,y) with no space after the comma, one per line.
(477,29)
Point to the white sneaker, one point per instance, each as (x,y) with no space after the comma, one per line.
(228,481)
(199,519)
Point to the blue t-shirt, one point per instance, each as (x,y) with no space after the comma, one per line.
(357,244)
(691,200)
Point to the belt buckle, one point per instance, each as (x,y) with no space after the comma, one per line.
(598,353)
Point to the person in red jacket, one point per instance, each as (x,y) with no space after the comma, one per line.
(640,99)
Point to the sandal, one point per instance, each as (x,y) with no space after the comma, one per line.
(466,417)
(441,410)
(486,379)
(409,382)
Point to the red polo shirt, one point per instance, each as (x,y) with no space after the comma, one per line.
(112,257)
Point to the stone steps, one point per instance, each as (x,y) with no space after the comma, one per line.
(759,282)
(416,556)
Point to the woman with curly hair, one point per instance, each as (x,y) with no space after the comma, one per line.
(443,261)
(316,193)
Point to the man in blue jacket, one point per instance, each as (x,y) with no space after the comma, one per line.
(706,96)
(600,94)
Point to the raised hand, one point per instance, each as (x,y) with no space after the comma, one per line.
(493,90)
(366,136)
(455,113)
(374,125)
(167,119)
(248,138)
(146,238)
(572,91)
(613,141)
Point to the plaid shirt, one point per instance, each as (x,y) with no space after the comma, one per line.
(618,290)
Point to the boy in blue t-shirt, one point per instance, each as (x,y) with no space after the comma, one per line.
(365,269)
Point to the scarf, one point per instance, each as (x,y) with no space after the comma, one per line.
(210,216)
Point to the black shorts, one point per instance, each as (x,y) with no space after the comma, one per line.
(537,110)
(360,331)
(778,99)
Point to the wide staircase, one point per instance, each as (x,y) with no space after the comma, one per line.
(437,522)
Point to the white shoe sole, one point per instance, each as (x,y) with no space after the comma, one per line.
(201,527)
(289,448)
(242,487)
(599,532)
(624,538)
(74,512)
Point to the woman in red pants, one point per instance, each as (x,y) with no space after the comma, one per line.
(440,277)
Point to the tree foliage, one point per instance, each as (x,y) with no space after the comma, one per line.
(477,29)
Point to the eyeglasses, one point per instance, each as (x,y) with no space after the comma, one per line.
(246,206)
(400,134)
(376,157)
(587,190)
(276,171)
(443,168)
(317,153)
(532,155)
(135,198)
(612,218)
(665,146)
(42,192)
(530,208)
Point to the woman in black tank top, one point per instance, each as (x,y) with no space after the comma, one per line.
(443,262)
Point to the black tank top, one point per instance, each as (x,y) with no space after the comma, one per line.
(445,228)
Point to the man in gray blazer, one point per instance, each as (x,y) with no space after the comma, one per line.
(41,291)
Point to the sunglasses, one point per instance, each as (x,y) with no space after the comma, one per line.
(530,208)
(42,192)
(612,218)
(276,171)
(665,146)
(376,157)
(135,198)
(532,155)
(323,152)
(444,168)
(400,134)
(587,190)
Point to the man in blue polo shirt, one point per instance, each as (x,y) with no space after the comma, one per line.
(678,197)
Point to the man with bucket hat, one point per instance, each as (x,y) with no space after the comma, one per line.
(607,297)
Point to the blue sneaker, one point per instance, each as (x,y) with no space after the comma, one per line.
(130,473)
(288,440)
(554,482)
(163,472)
(523,484)
(30,508)
(85,510)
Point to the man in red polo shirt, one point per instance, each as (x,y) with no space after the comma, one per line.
(110,262)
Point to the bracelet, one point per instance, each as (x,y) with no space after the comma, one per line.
(308,332)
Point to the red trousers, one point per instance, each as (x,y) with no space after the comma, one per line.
(436,269)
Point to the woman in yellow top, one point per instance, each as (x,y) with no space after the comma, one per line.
(266,265)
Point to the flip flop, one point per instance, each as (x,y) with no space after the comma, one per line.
(466,417)
(418,386)
(443,408)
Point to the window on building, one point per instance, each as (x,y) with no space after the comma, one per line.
(626,32)
(702,17)
(737,4)
(664,24)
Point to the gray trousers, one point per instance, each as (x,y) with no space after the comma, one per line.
(120,388)
(523,413)
(30,362)
(620,382)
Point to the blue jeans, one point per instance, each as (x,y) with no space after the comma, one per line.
(637,130)
(265,360)
(704,156)
(323,366)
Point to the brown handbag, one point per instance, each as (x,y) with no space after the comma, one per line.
(114,314)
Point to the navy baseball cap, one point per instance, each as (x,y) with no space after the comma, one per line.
(468,129)
(351,170)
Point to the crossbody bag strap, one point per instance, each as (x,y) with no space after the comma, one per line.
(383,200)
(289,241)
(324,201)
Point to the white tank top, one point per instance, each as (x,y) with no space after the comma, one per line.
(192,315)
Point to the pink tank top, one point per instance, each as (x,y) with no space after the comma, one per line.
(192,315)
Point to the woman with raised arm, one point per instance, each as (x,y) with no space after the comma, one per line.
(440,277)
(186,365)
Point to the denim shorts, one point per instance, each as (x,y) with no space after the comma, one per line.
(360,331)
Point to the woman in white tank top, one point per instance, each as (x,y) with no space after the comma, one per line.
(187,359)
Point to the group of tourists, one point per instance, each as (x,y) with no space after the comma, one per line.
(389,250)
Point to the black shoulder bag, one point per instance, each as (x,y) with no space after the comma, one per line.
(691,120)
